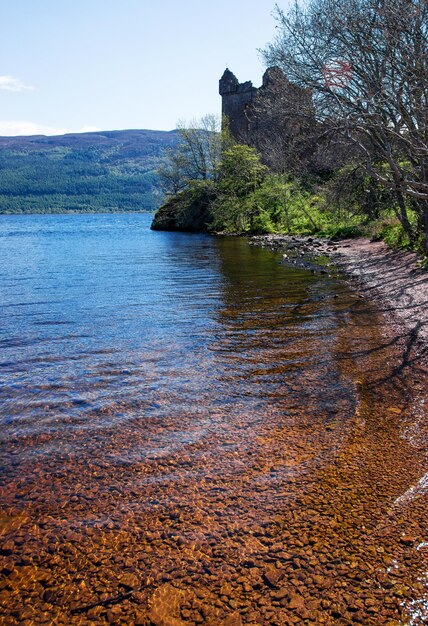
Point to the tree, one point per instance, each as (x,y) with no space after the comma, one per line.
(172,172)
(240,170)
(366,64)
(197,156)
(240,174)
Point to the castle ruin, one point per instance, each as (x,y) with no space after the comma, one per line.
(273,118)
(236,101)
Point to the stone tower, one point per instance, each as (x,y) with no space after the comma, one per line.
(277,118)
(236,100)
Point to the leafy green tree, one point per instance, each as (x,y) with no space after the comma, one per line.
(241,170)
(240,174)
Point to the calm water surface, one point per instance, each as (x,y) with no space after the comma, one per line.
(104,321)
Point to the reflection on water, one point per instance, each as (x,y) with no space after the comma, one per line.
(185,423)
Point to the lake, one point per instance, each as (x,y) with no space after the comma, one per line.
(186,422)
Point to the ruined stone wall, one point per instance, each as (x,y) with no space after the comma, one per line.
(277,119)
(242,103)
(237,99)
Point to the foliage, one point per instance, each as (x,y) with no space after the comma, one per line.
(247,199)
(240,175)
(274,205)
(240,171)
(393,233)
(197,156)
(366,64)
(225,200)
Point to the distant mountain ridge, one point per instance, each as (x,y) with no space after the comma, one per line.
(119,137)
(86,172)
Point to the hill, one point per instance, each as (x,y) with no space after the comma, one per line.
(86,172)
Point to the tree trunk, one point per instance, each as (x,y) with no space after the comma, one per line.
(425,219)
(404,219)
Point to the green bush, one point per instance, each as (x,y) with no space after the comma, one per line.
(393,234)
(262,223)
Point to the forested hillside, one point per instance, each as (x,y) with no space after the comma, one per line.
(94,172)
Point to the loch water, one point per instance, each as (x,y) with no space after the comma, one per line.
(105,321)
(185,422)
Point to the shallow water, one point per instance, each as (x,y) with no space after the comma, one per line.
(104,321)
(186,410)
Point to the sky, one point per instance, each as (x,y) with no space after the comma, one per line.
(82,65)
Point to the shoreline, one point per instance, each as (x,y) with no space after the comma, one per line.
(393,281)
(390,278)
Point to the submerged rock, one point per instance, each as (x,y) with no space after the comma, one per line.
(166,602)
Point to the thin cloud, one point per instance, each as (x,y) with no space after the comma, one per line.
(19,128)
(8,83)
(86,129)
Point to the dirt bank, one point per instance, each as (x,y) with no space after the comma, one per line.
(392,278)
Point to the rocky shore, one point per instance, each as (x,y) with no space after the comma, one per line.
(398,286)
(391,278)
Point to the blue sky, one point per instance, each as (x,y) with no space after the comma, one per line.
(73,65)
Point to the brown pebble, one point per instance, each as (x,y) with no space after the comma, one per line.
(233,620)
(273,576)
(280,594)
(129,581)
(165,610)
(7,548)
(407,540)
(296,602)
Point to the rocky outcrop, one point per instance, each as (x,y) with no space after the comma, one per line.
(189,210)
